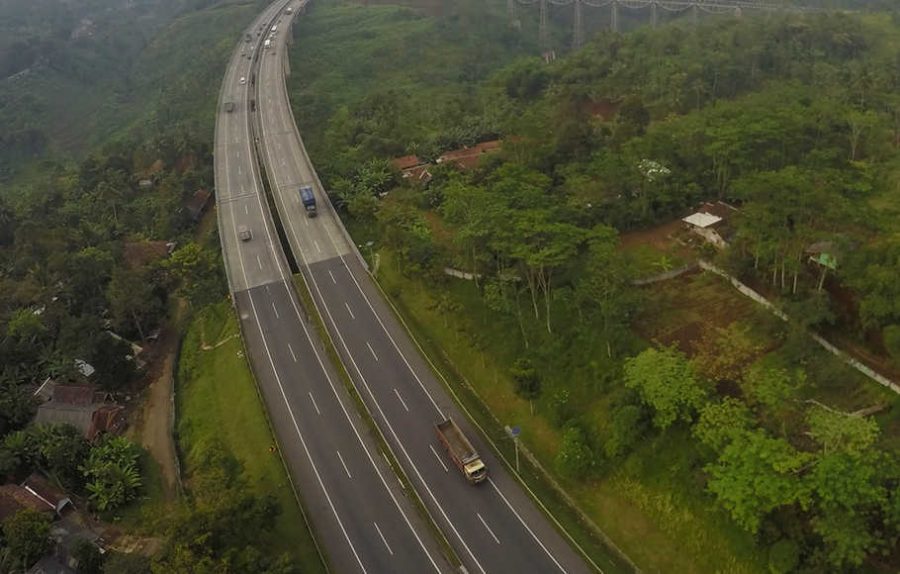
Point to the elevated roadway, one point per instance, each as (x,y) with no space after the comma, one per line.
(361,514)
(494,527)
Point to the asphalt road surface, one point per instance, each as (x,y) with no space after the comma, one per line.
(361,514)
(494,527)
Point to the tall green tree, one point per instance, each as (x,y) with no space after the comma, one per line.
(756,474)
(665,381)
(27,535)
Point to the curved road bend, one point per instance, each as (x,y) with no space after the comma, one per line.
(359,511)
(495,527)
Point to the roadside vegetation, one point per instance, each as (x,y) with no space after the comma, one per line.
(222,425)
(697,430)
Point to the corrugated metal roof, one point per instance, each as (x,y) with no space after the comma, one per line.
(701,219)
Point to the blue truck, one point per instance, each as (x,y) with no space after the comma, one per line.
(309,200)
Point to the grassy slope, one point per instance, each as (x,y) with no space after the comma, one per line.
(217,401)
(173,82)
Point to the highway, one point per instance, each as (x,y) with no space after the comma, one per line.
(494,527)
(362,516)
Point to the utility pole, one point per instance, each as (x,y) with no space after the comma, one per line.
(653,15)
(578,33)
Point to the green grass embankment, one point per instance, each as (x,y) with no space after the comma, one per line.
(217,401)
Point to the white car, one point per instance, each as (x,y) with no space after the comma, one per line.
(243,80)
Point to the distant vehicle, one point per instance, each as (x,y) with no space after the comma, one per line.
(243,80)
(229,107)
(275,28)
(309,200)
(244,233)
(461,451)
(289,10)
(267,44)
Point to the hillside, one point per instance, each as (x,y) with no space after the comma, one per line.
(697,430)
(76,75)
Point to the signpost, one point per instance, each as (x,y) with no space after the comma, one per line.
(514,432)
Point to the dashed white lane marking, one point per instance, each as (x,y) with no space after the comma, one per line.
(371,350)
(246,210)
(488,528)
(291,349)
(402,402)
(316,243)
(438,457)
(315,406)
(383,539)
(274,308)
(349,310)
(259,261)
(330,274)
(344,464)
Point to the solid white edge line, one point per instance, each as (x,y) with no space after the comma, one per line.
(328,376)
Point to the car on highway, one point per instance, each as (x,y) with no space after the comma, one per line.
(244,233)
(243,80)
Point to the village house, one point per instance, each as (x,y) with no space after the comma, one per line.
(414,169)
(198,203)
(710,222)
(86,408)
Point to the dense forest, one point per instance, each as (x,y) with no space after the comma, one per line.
(75,75)
(795,122)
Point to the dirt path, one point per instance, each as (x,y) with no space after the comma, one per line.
(152,424)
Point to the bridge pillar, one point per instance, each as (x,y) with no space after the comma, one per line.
(578,32)
(614,16)
(653,15)
(542,32)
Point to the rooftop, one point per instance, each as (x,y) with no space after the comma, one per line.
(701,219)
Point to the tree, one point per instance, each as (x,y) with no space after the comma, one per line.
(222,527)
(848,484)
(27,535)
(528,381)
(774,388)
(114,362)
(841,432)
(603,289)
(756,474)
(784,556)
(133,301)
(629,424)
(575,458)
(90,561)
(112,473)
(63,450)
(17,406)
(722,422)
(665,381)
(198,274)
